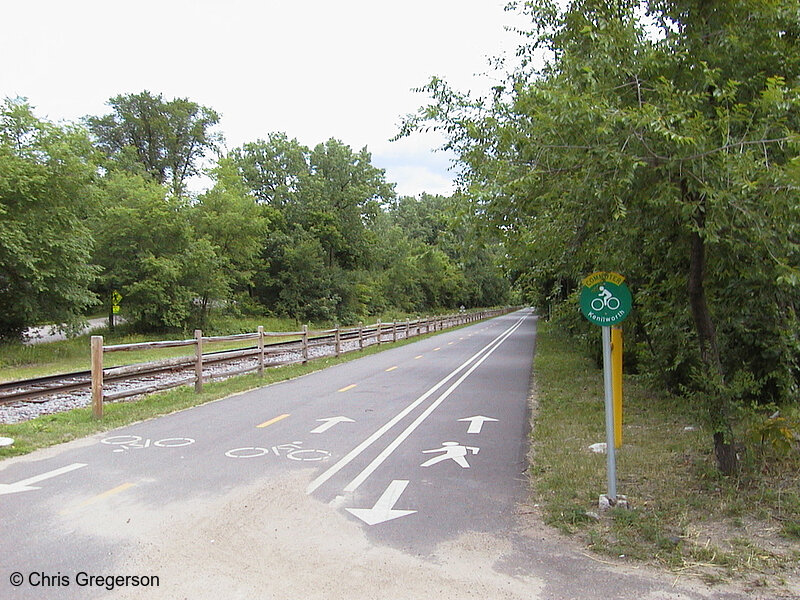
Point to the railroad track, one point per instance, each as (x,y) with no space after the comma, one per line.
(26,399)
(38,389)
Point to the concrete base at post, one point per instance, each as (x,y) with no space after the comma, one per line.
(607,503)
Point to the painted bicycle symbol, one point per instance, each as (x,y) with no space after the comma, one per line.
(605,300)
(127,442)
(293,451)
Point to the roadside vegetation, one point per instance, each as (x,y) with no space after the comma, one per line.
(684,514)
(99,213)
(631,137)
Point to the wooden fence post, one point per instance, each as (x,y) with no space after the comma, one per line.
(198,361)
(394,331)
(261,350)
(360,335)
(338,341)
(97,376)
(379,332)
(305,344)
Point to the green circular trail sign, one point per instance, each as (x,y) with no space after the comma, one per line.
(605,298)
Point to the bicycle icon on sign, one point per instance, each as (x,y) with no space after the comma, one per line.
(605,300)
(293,451)
(127,442)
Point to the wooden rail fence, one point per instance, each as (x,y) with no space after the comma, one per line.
(265,355)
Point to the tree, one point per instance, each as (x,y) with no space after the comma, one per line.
(148,252)
(232,227)
(426,218)
(452,226)
(346,193)
(323,200)
(298,283)
(274,171)
(46,190)
(645,144)
(166,139)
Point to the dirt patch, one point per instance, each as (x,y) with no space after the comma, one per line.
(271,540)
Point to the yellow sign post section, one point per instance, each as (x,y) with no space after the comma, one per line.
(616,382)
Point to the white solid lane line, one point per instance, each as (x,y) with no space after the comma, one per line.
(364,475)
(349,457)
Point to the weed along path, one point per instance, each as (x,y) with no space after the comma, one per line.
(397,475)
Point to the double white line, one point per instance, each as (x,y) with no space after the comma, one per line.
(477,359)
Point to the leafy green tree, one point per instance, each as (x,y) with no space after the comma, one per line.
(647,145)
(346,193)
(166,139)
(148,252)
(274,171)
(298,283)
(232,227)
(452,226)
(331,195)
(427,218)
(46,191)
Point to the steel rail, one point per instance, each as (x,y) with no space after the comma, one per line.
(31,390)
(35,389)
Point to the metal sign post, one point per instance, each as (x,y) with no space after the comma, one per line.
(605,300)
(611,454)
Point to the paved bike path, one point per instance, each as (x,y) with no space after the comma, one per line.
(415,448)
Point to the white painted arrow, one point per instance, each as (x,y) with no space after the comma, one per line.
(384,508)
(27,484)
(476,423)
(330,422)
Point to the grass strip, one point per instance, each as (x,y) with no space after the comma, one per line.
(684,515)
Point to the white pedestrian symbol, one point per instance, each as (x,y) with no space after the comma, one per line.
(451,450)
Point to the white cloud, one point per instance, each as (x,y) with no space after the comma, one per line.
(314,69)
(417,178)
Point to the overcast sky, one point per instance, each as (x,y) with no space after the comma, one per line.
(313,69)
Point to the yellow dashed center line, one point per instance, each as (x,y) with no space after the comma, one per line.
(348,387)
(271,421)
(436,349)
(418,357)
(93,499)
(390,369)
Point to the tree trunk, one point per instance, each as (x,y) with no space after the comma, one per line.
(726,455)
(704,326)
(724,448)
(203,311)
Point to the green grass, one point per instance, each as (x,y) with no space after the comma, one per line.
(684,514)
